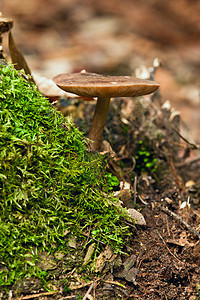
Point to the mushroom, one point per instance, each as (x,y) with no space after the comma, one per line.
(5,25)
(104,87)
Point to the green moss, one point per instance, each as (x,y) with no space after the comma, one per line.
(146,160)
(49,183)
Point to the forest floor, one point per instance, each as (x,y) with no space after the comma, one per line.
(164,255)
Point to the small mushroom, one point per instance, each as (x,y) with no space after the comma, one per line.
(104,87)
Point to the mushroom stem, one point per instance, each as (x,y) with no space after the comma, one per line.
(98,122)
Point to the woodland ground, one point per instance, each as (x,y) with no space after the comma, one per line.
(116,37)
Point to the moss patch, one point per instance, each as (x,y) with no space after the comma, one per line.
(51,187)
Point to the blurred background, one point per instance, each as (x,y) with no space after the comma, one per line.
(115,37)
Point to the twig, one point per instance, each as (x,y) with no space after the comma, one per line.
(168,247)
(188,161)
(178,218)
(83,285)
(88,291)
(144,202)
(70,297)
(37,295)
(94,290)
(135,190)
(193,146)
(114,283)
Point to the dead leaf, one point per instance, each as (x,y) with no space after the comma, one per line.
(137,216)
(105,256)
(180,242)
(48,88)
(89,253)
(196,249)
(72,243)
(129,272)
(46,262)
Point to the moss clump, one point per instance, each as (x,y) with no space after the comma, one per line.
(50,185)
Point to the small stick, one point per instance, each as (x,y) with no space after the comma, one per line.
(37,295)
(178,218)
(144,202)
(114,283)
(192,145)
(70,297)
(168,247)
(135,190)
(88,291)
(94,290)
(83,285)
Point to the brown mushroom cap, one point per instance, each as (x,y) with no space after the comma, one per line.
(96,85)
(5,24)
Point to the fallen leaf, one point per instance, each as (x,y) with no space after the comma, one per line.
(137,216)
(89,253)
(129,272)
(72,243)
(106,255)
(48,88)
(180,242)
(196,249)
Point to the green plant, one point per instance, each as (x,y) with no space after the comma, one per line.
(112,181)
(50,185)
(146,160)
